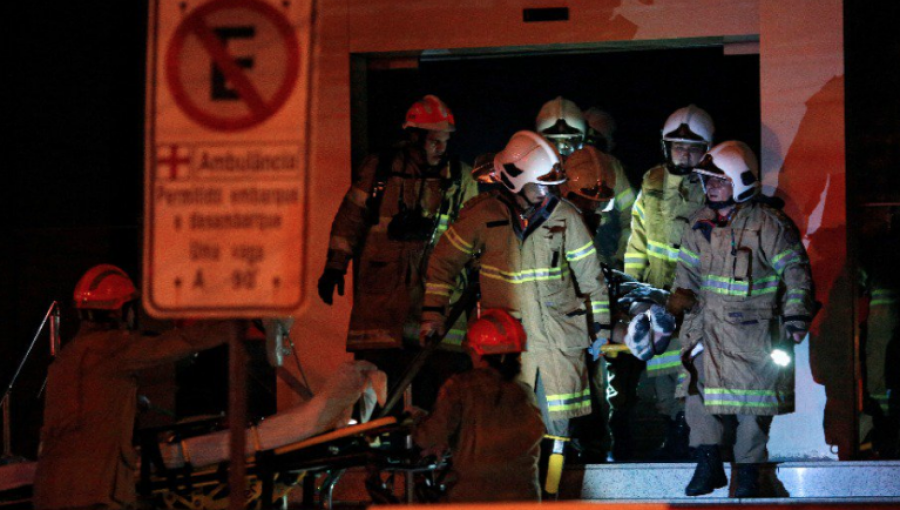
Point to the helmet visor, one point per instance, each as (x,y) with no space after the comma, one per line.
(684,134)
(599,192)
(707,168)
(557,175)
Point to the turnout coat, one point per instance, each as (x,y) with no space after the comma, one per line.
(86,457)
(751,277)
(389,277)
(546,274)
(494,430)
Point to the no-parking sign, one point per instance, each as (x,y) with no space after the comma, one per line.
(226,157)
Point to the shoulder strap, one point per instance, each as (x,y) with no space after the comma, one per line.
(376,194)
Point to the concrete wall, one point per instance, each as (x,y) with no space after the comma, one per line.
(803,150)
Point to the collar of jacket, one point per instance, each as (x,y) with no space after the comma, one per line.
(537,218)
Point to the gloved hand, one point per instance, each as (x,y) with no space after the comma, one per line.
(642,292)
(594,350)
(330,279)
(796,330)
(429,328)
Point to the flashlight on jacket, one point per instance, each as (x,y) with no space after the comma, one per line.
(780,357)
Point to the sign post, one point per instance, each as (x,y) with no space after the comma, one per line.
(226,158)
(225,170)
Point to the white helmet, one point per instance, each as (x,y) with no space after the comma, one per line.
(601,127)
(736,162)
(689,124)
(562,122)
(528,158)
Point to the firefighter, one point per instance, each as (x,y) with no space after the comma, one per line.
(595,183)
(879,423)
(561,122)
(400,203)
(598,186)
(616,224)
(669,195)
(539,263)
(744,285)
(86,458)
(488,418)
(601,130)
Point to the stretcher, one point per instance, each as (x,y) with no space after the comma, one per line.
(315,464)
(185,466)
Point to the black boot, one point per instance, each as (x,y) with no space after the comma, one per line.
(710,472)
(747,481)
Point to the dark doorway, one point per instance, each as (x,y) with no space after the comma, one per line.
(493,97)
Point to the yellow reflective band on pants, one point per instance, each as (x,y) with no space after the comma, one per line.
(569,401)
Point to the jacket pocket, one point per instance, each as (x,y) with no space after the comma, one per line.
(570,320)
(379,276)
(750,330)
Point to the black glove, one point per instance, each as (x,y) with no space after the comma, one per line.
(330,279)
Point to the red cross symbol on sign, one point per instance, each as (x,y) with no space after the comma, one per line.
(168,161)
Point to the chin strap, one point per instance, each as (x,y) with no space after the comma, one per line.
(678,169)
(715,206)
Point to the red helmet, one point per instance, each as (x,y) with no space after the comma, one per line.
(430,113)
(496,332)
(104,287)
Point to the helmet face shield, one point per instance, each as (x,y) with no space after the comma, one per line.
(734,162)
(707,168)
(566,144)
(599,192)
(557,175)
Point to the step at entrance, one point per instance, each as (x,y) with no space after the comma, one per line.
(805,481)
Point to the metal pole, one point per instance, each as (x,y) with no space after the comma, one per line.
(5,402)
(237,419)
(28,352)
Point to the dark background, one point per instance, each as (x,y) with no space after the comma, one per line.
(492,98)
(73,103)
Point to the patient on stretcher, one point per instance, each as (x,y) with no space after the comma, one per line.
(329,409)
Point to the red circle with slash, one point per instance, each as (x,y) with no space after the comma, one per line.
(259,108)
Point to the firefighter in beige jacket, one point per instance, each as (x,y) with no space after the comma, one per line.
(538,262)
(669,195)
(742,259)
